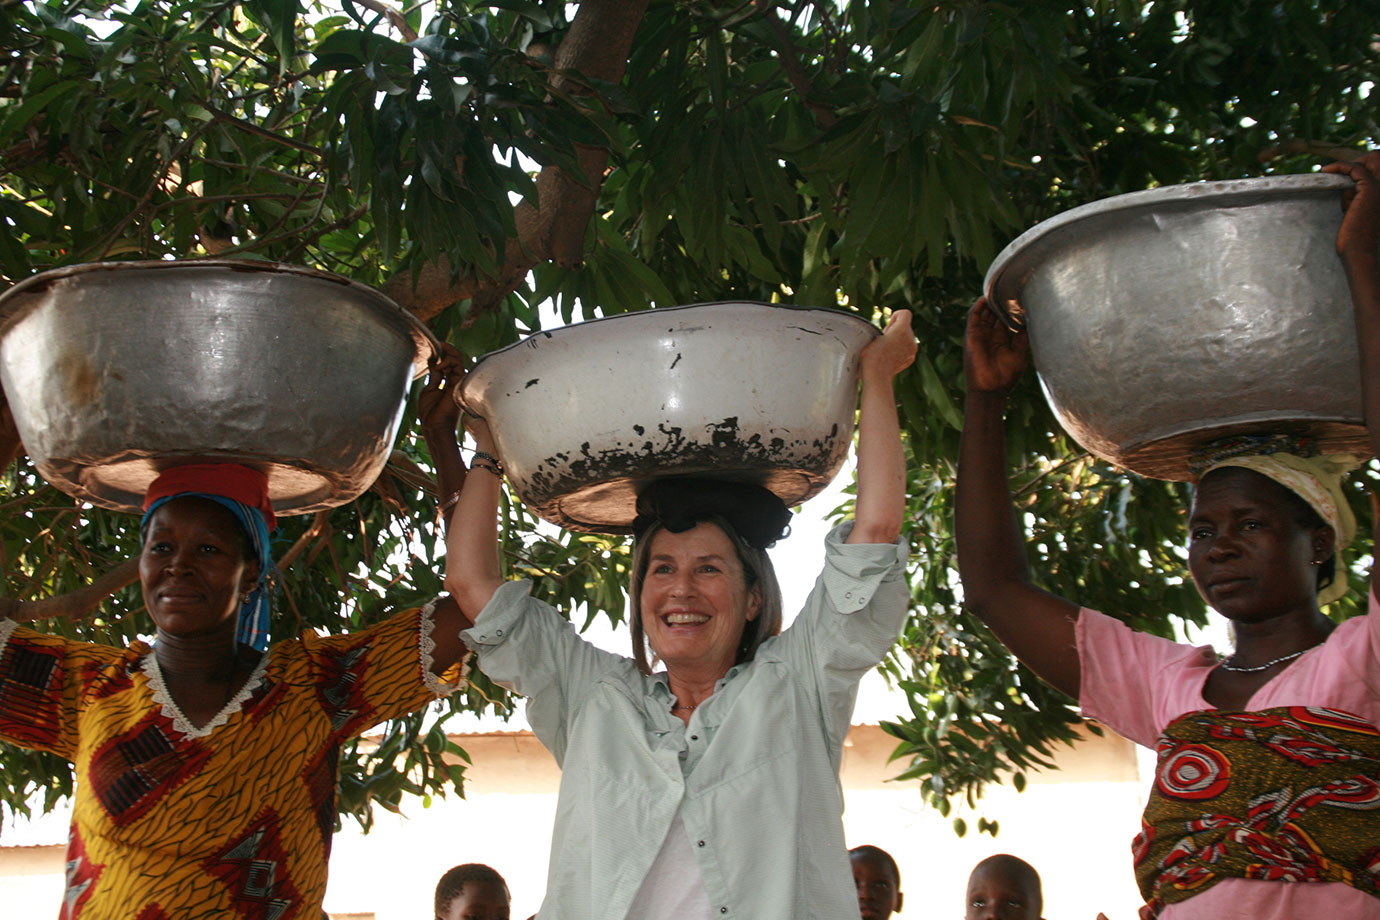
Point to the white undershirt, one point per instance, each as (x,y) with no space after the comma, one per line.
(673,886)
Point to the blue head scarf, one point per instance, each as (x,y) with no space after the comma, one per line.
(253,615)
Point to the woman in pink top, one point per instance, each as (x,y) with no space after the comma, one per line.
(1266,802)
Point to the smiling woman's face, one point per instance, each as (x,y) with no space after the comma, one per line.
(193,568)
(695,600)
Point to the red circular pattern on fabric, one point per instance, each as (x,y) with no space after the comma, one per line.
(1193,772)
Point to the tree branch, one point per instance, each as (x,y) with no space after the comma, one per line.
(394,17)
(1297,145)
(318,526)
(259,130)
(825,117)
(597,48)
(75,603)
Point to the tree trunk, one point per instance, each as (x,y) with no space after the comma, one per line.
(597,46)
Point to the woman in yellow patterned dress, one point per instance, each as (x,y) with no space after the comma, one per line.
(206,763)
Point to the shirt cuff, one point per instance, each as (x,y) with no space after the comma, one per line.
(854,571)
(456,676)
(500,615)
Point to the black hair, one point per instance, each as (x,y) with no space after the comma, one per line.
(455,879)
(868,851)
(1016,869)
(678,503)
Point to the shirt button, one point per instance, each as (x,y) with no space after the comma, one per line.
(694,737)
(701,843)
(499,631)
(723,910)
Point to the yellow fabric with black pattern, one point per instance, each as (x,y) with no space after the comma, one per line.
(230,820)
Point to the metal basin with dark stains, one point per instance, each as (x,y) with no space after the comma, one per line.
(1164,319)
(586,414)
(118,370)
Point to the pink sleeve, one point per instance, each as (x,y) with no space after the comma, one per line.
(1136,683)
(1373,624)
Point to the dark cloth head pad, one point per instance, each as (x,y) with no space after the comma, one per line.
(681,502)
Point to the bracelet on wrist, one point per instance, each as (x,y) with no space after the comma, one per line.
(488,462)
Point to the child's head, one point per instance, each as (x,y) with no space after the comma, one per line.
(1004,887)
(472,892)
(878,881)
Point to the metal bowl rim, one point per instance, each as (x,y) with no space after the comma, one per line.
(426,345)
(474,371)
(1221,192)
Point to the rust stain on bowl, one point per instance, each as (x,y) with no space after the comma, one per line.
(81,384)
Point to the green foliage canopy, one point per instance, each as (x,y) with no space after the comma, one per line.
(477,159)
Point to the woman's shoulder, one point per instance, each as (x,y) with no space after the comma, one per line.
(1110,650)
(18,636)
(1101,626)
(1360,633)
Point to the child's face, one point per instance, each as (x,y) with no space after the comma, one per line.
(479,901)
(994,895)
(878,894)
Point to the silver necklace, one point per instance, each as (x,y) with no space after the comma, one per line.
(1262,667)
(679,708)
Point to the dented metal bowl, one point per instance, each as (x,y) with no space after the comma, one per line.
(118,370)
(1164,319)
(586,414)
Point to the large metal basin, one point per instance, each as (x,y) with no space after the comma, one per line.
(118,370)
(1163,319)
(586,414)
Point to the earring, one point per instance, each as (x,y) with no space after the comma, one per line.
(244,597)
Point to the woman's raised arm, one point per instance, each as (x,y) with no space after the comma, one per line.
(438,414)
(1037,626)
(439,417)
(472,569)
(77,603)
(1358,243)
(881,505)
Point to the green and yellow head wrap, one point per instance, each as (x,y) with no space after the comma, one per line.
(1317,480)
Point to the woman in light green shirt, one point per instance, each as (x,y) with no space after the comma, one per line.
(707,789)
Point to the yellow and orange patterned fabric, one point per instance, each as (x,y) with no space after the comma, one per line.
(232,819)
(1290,794)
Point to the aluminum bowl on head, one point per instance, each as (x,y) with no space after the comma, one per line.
(586,414)
(1164,319)
(118,370)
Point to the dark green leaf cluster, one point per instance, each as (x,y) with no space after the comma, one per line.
(270,130)
(868,154)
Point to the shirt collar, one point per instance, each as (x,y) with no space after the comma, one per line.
(661,684)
